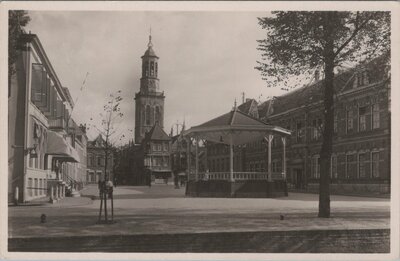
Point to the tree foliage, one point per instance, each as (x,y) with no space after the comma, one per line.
(17,19)
(297,43)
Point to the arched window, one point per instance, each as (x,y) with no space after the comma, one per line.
(158,115)
(152,116)
(146,68)
(151,68)
(148,120)
(156,69)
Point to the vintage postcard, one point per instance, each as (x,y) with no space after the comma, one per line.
(200,130)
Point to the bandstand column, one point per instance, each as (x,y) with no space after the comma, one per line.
(284,158)
(205,156)
(231,158)
(188,157)
(197,159)
(269,141)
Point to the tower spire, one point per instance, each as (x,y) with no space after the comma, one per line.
(150,44)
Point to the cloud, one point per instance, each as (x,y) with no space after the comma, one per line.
(206,59)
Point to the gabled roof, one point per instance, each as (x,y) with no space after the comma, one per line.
(234,127)
(157,133)
(233,118)
(246,106)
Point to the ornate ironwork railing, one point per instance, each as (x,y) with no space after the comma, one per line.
(236,176)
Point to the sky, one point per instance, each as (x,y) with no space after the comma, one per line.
(207,60)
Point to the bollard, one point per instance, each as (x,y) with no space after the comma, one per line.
(51,194)
(56,193)
(16,196)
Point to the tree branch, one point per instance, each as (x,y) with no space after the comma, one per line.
(355,32)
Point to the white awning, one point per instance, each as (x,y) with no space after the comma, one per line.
(58,146)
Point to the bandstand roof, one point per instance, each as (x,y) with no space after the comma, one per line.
(236,125)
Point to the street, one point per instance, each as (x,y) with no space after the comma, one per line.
(162,212)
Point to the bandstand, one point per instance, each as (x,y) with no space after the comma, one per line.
(235,128)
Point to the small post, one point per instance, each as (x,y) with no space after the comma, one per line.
(56,197)
(231,158)
(51,194)
(197,158)
(16,196)
(188,158)
(284,158)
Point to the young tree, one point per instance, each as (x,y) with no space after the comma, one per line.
(111,113)
(297,42)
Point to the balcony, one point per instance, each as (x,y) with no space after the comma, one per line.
(57,123)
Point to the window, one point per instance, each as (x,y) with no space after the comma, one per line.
(361,165)
(30,189)
(375,116)
(315,130)
(334,173)
(299,132)
(158,115)
(151,68)
(361,79)
(351,166)
(147,115)
(349,119)
(362,118)
(156,65)
(315,167)
(99,161)
(36,188)
(165,162)
(146,68)
(375,164)
(165,146)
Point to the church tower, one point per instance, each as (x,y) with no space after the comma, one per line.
(149,101)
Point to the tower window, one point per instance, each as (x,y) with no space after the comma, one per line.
(151,68)
(157,115)
(146,68)
(148,115)
(156,69)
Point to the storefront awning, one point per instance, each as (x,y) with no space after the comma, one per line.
(58,146)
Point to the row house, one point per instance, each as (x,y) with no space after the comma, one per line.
(42,150)
(96,161)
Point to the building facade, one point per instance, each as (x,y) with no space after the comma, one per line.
(96,161)
(156,147)
(360,162)
(42,156)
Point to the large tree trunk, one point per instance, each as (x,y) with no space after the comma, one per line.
(326,149)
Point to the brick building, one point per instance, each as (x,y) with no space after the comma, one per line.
(361,148)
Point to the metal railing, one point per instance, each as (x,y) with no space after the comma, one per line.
(236,176)
(58,122)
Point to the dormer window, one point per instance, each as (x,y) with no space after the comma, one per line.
(361,79)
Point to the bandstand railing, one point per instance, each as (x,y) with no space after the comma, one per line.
(236,176)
